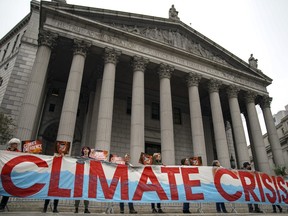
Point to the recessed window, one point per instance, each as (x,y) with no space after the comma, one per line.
(15,42)
(5,51)
(52,107)
(55,92)
(177,116)
(155,111)
(1,81)
(128,105)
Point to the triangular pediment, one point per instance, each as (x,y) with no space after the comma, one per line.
(172,33)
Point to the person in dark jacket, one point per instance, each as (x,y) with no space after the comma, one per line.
(186,206)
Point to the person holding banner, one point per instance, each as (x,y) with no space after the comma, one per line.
(85,152)
(156,160)
(247,166)
(56,201)
(220,206)
(12,146)
(186,206)
(130,205)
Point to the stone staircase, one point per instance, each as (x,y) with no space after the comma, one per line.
(67,206)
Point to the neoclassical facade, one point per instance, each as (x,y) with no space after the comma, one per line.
(126,82)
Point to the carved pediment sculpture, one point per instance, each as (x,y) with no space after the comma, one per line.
(172,38)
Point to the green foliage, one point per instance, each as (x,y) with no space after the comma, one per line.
(280,170)
(7,128)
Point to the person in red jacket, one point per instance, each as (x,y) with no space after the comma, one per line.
(12,146)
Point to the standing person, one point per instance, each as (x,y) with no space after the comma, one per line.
(56,201)
(247,166)
(186,206)
(85,152)
(130,205)
(12,146)
(55,205)
(220,206)
(156,160)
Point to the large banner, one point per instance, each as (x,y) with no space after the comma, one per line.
(47,177)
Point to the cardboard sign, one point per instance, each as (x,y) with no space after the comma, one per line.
(101,155)
(195,161)
(32,146)
(62,147)
(145,159)
(117,160)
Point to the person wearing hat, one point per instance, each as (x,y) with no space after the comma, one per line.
(247,166)
(12,146)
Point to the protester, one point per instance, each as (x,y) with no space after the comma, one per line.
(156,160)
(130,205)
(85,152)
(186,206)
(247,166)
(55,205)
(220,206)
(12,146)
(56,201)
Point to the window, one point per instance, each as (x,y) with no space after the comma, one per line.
(1,81)
(55,92)
(52,107)
(177,116)
(128,105)
(155,112)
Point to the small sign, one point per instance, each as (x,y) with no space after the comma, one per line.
(62,147)
(145,159)
(101,155)
(32,146)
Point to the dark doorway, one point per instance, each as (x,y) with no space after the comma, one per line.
(151,148)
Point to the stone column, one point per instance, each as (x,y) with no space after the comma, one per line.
(105,115)
(239,134)
(72,93)
(197,130)
(256,134)
(137,141)
(272,133)
(166,115)
(218,124)
(31,106)
(95,112)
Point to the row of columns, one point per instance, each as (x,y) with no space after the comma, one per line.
(103,105)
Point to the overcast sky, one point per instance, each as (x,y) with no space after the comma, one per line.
(240,26)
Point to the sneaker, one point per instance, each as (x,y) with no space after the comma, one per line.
(160,211)
(154,210)
(86,211)
(186,212)
(76,210)
(258,211)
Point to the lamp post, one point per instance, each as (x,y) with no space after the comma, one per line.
(232,162)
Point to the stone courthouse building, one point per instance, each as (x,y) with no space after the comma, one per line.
(127,82)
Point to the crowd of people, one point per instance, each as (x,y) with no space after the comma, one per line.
(156,160)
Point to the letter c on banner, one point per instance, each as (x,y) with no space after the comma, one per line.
(217,181)
(7,182)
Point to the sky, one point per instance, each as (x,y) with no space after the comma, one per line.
(243,27)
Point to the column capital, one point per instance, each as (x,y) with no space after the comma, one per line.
(111,55)
(214,85)
(46,38)
(232,91)
(265,102)
(193,79)
(139,63)
(80,47)
(165,71)
(250,97)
